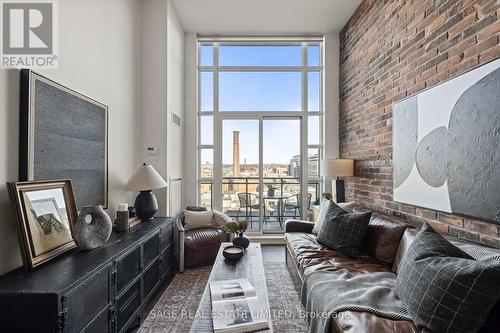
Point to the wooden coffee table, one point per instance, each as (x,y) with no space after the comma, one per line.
(250,267)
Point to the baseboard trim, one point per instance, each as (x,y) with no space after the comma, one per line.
(267,239)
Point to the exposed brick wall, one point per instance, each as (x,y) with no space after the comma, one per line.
(393,49)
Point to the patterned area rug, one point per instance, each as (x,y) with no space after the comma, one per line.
(177,306)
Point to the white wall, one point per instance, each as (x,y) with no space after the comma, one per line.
(153,110)
(162,92)
(9,130)
(331,93)
(175,103)
(190,116)
(97,57)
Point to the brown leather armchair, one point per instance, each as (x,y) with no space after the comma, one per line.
(196,247)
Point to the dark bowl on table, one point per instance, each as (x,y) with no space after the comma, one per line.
(233,252)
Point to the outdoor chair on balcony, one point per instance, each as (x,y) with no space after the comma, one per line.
(247,202)
(273,212)
(293,203)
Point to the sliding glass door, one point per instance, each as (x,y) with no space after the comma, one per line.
(261,173)
(282,176)
(241,170)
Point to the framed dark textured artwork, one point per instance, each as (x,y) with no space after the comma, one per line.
(446,146)
(63,135)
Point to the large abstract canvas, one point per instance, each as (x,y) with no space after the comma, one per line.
(63,135)
(446,146)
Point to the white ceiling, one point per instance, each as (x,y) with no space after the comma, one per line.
(264,16)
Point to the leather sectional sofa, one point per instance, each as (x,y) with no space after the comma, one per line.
(385,244)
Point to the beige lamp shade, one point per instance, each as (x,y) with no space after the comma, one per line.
(338,168)
(145,178)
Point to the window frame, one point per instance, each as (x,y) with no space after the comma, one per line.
(219,116)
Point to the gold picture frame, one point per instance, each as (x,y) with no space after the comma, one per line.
(45,212)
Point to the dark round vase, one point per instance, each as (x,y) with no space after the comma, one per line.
(146,205)
(241,240)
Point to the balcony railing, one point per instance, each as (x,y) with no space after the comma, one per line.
(241,199)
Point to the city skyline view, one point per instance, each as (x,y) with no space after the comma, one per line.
(240,166)
(275,148)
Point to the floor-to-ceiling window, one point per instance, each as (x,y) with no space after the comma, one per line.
(260,137)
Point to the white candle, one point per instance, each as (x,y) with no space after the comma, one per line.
(122,207)
(233,250)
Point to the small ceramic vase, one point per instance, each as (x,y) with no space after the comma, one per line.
(93,228)
(241,240)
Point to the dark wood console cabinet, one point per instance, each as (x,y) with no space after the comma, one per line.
(103,290)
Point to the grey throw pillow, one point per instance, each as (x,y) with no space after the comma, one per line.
(445,289)
(324,206)
(344,231)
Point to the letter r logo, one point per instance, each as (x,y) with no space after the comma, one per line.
(27,28)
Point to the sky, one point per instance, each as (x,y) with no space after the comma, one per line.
(259,91)
(281,140)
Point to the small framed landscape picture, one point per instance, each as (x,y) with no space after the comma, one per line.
(45,210)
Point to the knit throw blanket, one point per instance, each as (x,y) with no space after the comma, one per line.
(325,294)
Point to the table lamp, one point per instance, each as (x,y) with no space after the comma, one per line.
(145,179)
(338,168)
